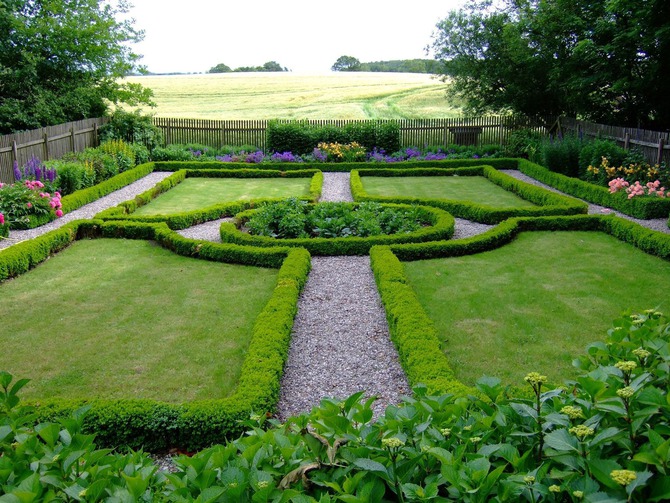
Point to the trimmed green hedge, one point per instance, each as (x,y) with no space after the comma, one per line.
(84,196)
(649,241)
(176,221)
(638,207)
(156,426)
(412,331)
(549,203)
(442,227)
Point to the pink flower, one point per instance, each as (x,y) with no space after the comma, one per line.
(2,219)
(52,204)
(29,205)
(59,213)
(57,194)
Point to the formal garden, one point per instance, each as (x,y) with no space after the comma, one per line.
(143,338)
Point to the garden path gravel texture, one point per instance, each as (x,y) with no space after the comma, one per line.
(656,224)
(89,210)
(209,231)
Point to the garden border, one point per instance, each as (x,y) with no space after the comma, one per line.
(414,333)
(549,203)
(442,228)
(153,425)
(176,221)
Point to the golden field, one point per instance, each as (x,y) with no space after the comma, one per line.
(345,95)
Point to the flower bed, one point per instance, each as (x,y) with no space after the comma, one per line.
(291,221)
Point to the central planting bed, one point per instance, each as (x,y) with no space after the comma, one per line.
(337,228)
(129,319)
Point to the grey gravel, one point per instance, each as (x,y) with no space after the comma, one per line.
(656,224)
(467,228)
(89,210)
(340,343)
(336,187)
(209,231)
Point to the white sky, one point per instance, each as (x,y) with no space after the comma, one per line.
(302,35)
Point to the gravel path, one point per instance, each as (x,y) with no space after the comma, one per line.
(336,187)
(656,224)
(209,231)
(91,209)
(340,343)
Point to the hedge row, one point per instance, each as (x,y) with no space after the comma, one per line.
(125,210)
(442,227)
(301,137)
(411,330)
(157,426)
(549,203)
(637,207)
(647,240)
(84,196)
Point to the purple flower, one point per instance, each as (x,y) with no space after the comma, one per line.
(224,158)
(17,171)
(318,155)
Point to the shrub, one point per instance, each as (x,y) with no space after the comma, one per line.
(171,153)
(561,155)
(592,154)
(27,204)
(132,127)
(524,143)
(72,175)
(104,165)
(123,154)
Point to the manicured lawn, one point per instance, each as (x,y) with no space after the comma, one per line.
(115,318)
(196,193)
(462,188)
(536,303)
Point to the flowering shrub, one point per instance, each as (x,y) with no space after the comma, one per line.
(4,227)
(34,169)
(21,201)
(637,189)
(636,169)
(338,152)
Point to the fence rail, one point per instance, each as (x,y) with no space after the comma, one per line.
(654,145)
(50,142)
(413,132)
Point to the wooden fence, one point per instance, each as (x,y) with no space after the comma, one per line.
(654,145)
(413,132)
(46,143)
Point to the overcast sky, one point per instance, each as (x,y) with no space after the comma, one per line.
(302,35)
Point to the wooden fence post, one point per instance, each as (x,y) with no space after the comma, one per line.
(15,152)
(626,141)
(96,138)
(72,142)
(46,147)
(661,144)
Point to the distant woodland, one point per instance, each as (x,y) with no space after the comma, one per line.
(352,64)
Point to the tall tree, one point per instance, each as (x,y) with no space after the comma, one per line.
(61,60)
(605,60)
(346,64)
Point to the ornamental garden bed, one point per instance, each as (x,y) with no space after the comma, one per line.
(135,321)
(479,193)
(535,302)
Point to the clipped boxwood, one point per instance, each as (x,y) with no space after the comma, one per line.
(442,227)
(156,426)
(549,203)
(642,207)
(176,221)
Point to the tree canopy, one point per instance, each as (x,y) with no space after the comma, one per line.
(346,64)
(269,66)
(601,60)
(61,60)
(351,64)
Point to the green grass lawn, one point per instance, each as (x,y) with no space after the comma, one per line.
(116,318)
(477,189)
(197,193)
(534,304)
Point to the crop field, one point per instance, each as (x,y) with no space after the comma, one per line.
(294,96)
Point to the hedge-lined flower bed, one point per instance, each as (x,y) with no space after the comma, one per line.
(441,227)
(548,202)
(154,425)
(124,211)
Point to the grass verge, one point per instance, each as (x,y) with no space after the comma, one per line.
(505,312)
(129,319)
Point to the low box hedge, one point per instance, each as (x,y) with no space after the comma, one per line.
(549,203)
(156,426)
(442,227)
(176,221)
(642,207)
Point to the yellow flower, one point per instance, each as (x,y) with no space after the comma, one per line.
(626,392)
(446,431)
(578,494)
(641,353)
(475,440)
(626,366)
(554,489)
(534,378)
(623,477)
(529,479)
(392,443)
(581,431)
(572,412)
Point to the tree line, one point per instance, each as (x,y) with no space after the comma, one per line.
(352,64)
(270,66)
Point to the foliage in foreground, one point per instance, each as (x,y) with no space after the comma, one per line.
(603,437)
